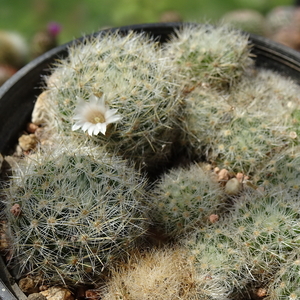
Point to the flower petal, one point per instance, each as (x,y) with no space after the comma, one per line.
(91,130)
(110,112)
(76,126)
(87,109)
(113,119)
(96,130)
(102,127)
(86,126)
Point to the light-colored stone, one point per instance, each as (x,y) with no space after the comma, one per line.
(31,127)
(58,293)
(213,218)
(16,210)
(28,285)
(28,141)
(40,114)
(36,296)
(93,294)
(233,186)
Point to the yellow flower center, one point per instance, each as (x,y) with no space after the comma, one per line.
(96,117)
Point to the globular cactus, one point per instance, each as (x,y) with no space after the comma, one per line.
(242,130)
(207,55)
(167,273)
(246,144)
(219,260)
(184,199)
(286,282)
(264,224)
(125,85)
(206,111)
(282,170)
(72,212)
(268,93)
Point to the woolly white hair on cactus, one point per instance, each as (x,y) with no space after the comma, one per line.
(94,116)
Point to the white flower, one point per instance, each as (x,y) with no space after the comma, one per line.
(94,116)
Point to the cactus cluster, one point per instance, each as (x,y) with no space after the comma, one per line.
(193,116)
(72,211)
(266,225)
(246,248)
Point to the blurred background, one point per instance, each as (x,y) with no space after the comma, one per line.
(28,28)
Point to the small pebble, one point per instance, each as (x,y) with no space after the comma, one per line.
(58,293)
(28,285)
(261,292)
(92,294)
(213,218)
(223,175)
(28,141)
(31,127)
(40,114)
(36,296)
(233,186)
(16,210)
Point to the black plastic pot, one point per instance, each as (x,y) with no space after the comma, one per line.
(19,93)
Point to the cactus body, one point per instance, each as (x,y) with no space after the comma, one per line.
(218,259)
(265,225)
(135,79)
(161,274)
(79,209)
(286,281)
(184,199)
(217,56)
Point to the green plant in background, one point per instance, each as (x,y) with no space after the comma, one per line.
(72,212)
(78,17)
(248,20)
